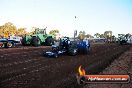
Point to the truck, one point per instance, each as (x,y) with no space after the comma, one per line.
(39,37)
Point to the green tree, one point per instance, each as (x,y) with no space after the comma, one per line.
(54,32)
(102,36)
(108,35)
(8,29)
(1,31)
(97,35)
(88,36)
(21,31)
(81,35)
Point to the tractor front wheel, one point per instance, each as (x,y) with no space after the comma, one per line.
(35,41)
(73,52)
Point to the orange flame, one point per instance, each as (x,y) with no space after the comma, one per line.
(81,71)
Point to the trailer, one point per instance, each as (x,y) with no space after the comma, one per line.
(10,42)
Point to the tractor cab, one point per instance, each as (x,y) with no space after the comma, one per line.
(62,44)
(40,31)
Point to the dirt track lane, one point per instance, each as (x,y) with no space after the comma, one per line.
(27,68)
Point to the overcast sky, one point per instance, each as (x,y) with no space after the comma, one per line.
(92,15)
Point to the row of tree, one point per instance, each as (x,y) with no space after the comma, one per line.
(82,35)
(106,34)
(9,29)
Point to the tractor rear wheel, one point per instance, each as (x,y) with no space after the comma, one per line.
(49,41)
(35,41)
(72,50)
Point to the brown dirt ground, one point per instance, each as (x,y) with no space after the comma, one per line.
(25,67)
(122,65)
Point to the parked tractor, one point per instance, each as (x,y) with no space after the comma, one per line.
(68,47)
(122,39)
(40,37)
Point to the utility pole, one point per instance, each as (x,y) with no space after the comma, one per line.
(75,31)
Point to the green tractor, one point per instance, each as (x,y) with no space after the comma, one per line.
(38,38)
(122,39)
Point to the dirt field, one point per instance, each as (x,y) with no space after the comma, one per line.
(25,67)
(121,65)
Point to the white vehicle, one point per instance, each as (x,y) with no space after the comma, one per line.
(17,39)
(10,42)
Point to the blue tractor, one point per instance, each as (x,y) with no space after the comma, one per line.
(83,46)
(66,46)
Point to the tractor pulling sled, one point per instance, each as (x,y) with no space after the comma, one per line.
(71,48)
